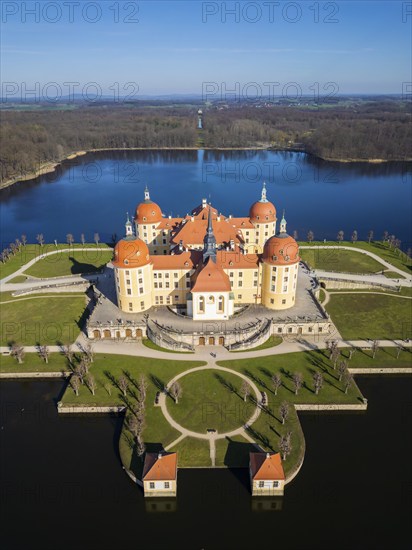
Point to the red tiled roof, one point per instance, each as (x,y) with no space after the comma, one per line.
(266,466)
(184,260)
(159,469)
(210,277)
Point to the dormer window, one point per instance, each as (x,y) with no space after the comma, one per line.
(274,258)
(126,262)
(144,219)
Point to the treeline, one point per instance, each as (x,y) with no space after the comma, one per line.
(375,130)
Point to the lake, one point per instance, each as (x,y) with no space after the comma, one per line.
(93,193)
(62,485)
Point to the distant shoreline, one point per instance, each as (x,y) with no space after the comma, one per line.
(50,167)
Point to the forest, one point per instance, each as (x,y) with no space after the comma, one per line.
(376,129)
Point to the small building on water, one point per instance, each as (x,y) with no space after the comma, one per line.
(267,477)
(160,475)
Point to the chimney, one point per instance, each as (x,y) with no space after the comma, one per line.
(232,244)
(267,455)
(180,246)
(230,215)
(159,456)
(204,203)
(192,219)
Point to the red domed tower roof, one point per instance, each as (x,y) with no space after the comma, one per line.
(281,249)
(148,211)
(131,252)
(262,211)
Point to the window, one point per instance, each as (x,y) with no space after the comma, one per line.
(310,329)
(128,281)
(127,272)
(154,242)
(167,285)
(157,299)
(140,281)
(276,484)
(221,304)
(273,288)
(176,298)
(285,288)
(239,296)
(240,273)
(255,282)
(168,300)
(160,285)
(151,485)
(160,275)
(240,284)
(188,284)
(279,330)
(139,272)
(176,285)
(130,306)
(129,291)
(161,299)
(166,275)
(261,484)
(141,290)
(175,275)
(144,234)
(231,274)
(156,285)
(286,269)
(283,302)
(272,301)
(274,278)
(201,304)
(167,485)
(164,241)
(320,329)
(285,279)
(290,329)
(141,305)
(155,275)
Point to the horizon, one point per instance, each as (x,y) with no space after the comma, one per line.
(208,49)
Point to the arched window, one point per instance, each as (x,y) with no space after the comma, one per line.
(201,304)
(221,304)
(211,299)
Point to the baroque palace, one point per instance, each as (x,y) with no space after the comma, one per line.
(206,267)
(206,263)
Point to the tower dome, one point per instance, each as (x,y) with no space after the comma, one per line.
(148,211)
(131,252)
(262,211)
(281,249)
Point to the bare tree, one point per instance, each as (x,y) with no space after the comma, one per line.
(70,239)
(123,384)
(142,385)
(374,348)
(370,236)
(340,236)
(245,390)
(347,381)
(40,239)
(342,367)
(91,383)
(24,239)
(75,384)
(82,239)
(398,351)
(335,356)
(317,381)
(176,391)
(310,236)
(81,371)
(96,238)
(44,353)
(285,445)
(276,382)
(284,411)
(108,388)
(17,351)
(297,381)
(354,237)
(68,353)
(140,448)
(352,351)
(88,350)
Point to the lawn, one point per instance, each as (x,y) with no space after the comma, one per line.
(398,259)
(42,320)
(149,344)
(193,453)
(270,343)
(233,452)
(32,251)
(32,362)
(340,260)
(70,263)
(211,399)
(366,315)
(384,358)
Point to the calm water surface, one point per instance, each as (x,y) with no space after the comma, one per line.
(62,485)
(94,192)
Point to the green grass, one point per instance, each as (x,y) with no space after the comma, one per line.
(340,260)
(18,279)
(211,399)
(233,452)
(392,275)
(366,315)
(70,263)
(33,363)
(384,358)
(398,259)
(42,320)
(270,343)
(322,296)
(32,251)
(193,453)
(149,344)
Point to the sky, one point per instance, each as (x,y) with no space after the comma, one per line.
(205,48)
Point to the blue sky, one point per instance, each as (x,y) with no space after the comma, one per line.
(175,47)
